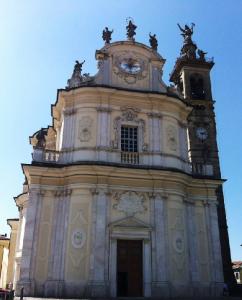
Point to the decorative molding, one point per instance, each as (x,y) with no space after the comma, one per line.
(178,243)
(78,238)
(104,109)
(130,202)
(69,112)
(155,115)
(126,56)
(171,134)
(85,129)
(129,117)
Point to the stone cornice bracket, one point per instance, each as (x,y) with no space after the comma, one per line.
(67,192)
(104,109)
(94,191)
(69,112)
(153,195)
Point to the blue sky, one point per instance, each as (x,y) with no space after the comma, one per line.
(40,40)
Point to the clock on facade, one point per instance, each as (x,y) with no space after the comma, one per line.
(130,66)
(202,133)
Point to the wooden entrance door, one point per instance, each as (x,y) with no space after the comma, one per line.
(129,268)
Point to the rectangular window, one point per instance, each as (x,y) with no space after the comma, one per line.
(129,139)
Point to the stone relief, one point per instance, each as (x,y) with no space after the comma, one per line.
(171,133)
(130,66)
(85,129)
(78,238)
(129,117)
(130,203)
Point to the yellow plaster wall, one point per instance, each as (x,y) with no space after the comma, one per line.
(176,230)
(77,259)
(43,252)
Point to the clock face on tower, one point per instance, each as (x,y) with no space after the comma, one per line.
(202,133)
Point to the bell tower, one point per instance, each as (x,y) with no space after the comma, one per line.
(191,75)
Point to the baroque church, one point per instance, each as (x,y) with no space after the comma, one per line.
(123,196)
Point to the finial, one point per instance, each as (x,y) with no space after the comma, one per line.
(107,35)
(130,30)
(153,41)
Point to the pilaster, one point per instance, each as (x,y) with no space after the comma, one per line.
(29,250)
(98,284)
(54,285)
(214,247)
(160,284)
(192,242)
(103,132)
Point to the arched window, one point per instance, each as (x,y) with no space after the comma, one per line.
(197,87)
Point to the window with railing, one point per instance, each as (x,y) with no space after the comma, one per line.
(129,145)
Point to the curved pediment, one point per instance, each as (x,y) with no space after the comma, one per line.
(130,65)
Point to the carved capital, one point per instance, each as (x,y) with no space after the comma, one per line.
(69,112)
(104,109)
(154,115)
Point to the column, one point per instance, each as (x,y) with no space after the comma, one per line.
(214,248)
(155,137)
(55,283)
(159,252)
(192,242)
(98,280)
(103,132)
(30,243)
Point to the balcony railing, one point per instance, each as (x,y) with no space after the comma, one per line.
(130,158)
(41,155)
(202,169)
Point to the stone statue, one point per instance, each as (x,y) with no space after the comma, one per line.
(76,78)
(153,41)
(78,68)
(187,33)
(201,54)
(131,30)
(40,136)
(107,35)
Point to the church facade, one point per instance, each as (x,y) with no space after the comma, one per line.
(122,195)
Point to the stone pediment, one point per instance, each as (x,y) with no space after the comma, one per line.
(130,222)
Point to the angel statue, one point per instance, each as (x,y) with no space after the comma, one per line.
(107,35)
(187,32)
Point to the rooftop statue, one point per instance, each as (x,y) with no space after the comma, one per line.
(78,68)
(187,33)
(131,30)
(107,35)
(153,41)
(76,77)
(201,54)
